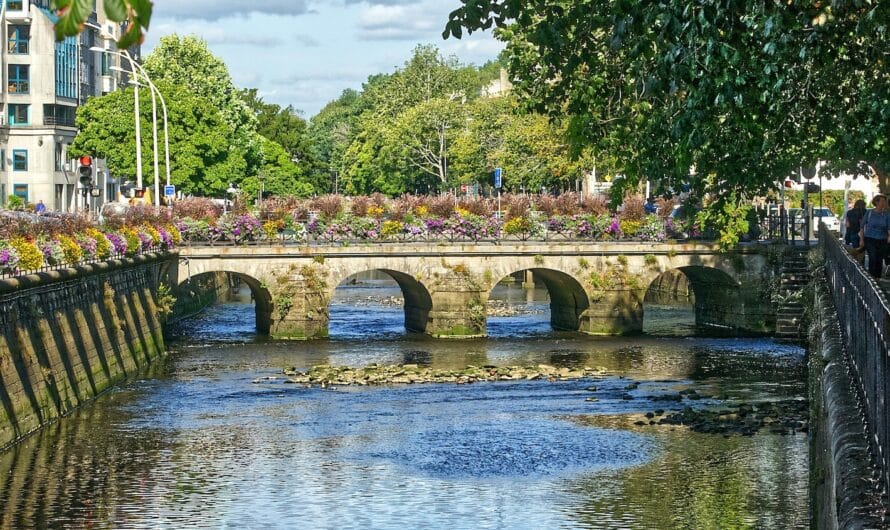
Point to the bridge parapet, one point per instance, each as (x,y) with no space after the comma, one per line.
(596,288)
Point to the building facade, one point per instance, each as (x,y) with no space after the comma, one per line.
(44,81)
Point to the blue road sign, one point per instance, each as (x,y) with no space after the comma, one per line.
(497,177)
(169,190)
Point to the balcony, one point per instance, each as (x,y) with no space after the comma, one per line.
(59,121)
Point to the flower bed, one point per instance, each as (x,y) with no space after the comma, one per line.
(30,245)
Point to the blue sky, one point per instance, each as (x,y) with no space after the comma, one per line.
(306,52)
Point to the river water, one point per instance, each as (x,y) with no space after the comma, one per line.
(215,438)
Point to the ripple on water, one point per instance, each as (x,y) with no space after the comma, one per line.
(518,448)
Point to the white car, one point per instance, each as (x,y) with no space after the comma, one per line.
(824,214)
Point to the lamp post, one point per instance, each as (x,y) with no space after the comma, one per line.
(138,72)
(262,178)
(155,90)
(134,67)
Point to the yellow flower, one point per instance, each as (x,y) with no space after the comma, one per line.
(72,251)
(133,242)
(30,257)
(463,212)
(376,211)
(103,246)
(152,233)
(391,228)
(517,225)
(421,210)
(174,233)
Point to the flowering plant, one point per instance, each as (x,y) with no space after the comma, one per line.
(9,258)
(118,242)
(87,245)
(244,227)
(71,249)
(52,251)
(103,246)
(30,257)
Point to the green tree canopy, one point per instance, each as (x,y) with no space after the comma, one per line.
(729,96)
(202,162)
(187,62)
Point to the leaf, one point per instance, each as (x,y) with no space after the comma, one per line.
(115,10)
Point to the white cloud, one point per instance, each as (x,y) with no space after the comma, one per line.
(217,9)
(395,22)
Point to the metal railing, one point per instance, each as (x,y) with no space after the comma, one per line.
(865,321)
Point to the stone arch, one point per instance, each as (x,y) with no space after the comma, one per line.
(716,296)
(418,301)
(261,296)
(568,299)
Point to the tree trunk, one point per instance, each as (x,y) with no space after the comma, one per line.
(883,177)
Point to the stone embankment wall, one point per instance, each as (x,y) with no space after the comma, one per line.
(66,336)
(843,489)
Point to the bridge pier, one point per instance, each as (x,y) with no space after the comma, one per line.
(614,312)
(458,308)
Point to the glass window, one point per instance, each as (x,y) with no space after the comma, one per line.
(20,191)
(19,114)
(105,67)
(18,39)
(15,5)
(2,159)
(19,160)
(60,156)
(19,79)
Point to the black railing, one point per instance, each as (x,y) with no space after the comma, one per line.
(62,121)
(865,321)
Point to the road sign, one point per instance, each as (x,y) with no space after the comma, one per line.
(497,178)
(169,190)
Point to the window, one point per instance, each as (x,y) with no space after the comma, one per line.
(105,66)
(15,5)
(20,191)
(18,39)
(19,160)
(2,159)
(19,79)
(60,156)
(58,115)
(18,114)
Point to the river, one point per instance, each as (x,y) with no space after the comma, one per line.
(215,437)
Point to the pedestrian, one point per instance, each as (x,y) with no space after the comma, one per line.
(650,206)
(875,235)
(853,223)
(40,208)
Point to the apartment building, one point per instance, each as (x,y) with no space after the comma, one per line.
(43,83)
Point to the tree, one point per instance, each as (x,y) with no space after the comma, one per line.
(187,62)
(740,93)
(202,162)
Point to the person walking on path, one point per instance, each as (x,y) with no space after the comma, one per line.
(40,209)
(875,235)
(853,222)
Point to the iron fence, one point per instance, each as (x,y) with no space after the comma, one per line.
(865,320)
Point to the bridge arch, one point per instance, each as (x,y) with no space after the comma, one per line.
(715,293)
(417,299)
(261,296)
(568,299)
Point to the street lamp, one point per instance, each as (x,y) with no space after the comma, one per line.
(262,178)
(138,72)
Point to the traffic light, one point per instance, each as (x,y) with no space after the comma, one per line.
(86,171)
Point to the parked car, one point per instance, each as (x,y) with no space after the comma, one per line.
(826,216)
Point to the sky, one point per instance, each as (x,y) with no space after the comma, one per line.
(306,52)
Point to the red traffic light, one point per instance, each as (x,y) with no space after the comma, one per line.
(86,161)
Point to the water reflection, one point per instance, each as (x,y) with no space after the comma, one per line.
(219,440)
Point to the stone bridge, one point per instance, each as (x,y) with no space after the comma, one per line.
(595,288)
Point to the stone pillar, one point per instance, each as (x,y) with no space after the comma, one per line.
(299,305)
(614,312)
(458,310)
(529,282)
